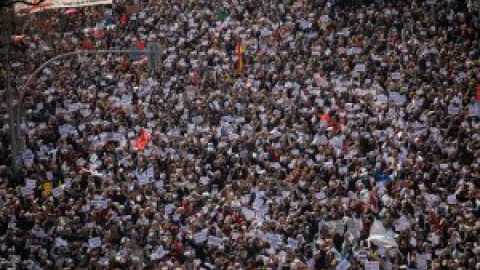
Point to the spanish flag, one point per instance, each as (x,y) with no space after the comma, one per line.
(239,50)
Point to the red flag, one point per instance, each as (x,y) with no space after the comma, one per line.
(325,117)
(477,98)
(143,140)
(141,45)
(124,19)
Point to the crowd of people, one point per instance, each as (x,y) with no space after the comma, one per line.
(348,139)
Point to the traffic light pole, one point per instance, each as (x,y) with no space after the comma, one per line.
(13,120)
(7,22)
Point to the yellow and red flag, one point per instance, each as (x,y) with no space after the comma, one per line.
(239,51)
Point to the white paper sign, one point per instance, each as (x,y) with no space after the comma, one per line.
(101,204)
(94,242)
(159,253)
(200,237)
(422,261)
(169,208)
(26,191)
(59,242)
(396,76)
(371,265)
(453,110)
(320,195)
(396,98)
(57,192)
(343,265)
(28,156)
(214,241)
(142,179)
(337,142)
(474,109)
(249,214)
(159,184)
(382,99)
(150,172)
(452,199)
(292,243)
(360,68)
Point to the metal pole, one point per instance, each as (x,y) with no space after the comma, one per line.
(11,103)
(11,116)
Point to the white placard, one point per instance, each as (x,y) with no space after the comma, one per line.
(382,99)
(320,195)
(150,172)
(372,265)
(28,156)
(396,76)
(159,184)
(452,199)
(337,142)
(474,109)
(143,179)
(257,204)
(343,265)
(68,183)
(324,19)
(214,241)
(354,226)
(59,242)
(320,140)
(292,243)
(422,261)
(57,192)
(94,242)
(101,204)
(360,68)
(27,191)
(249,214)
(453,110)
(200,237)
(159,253)
(169,208)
